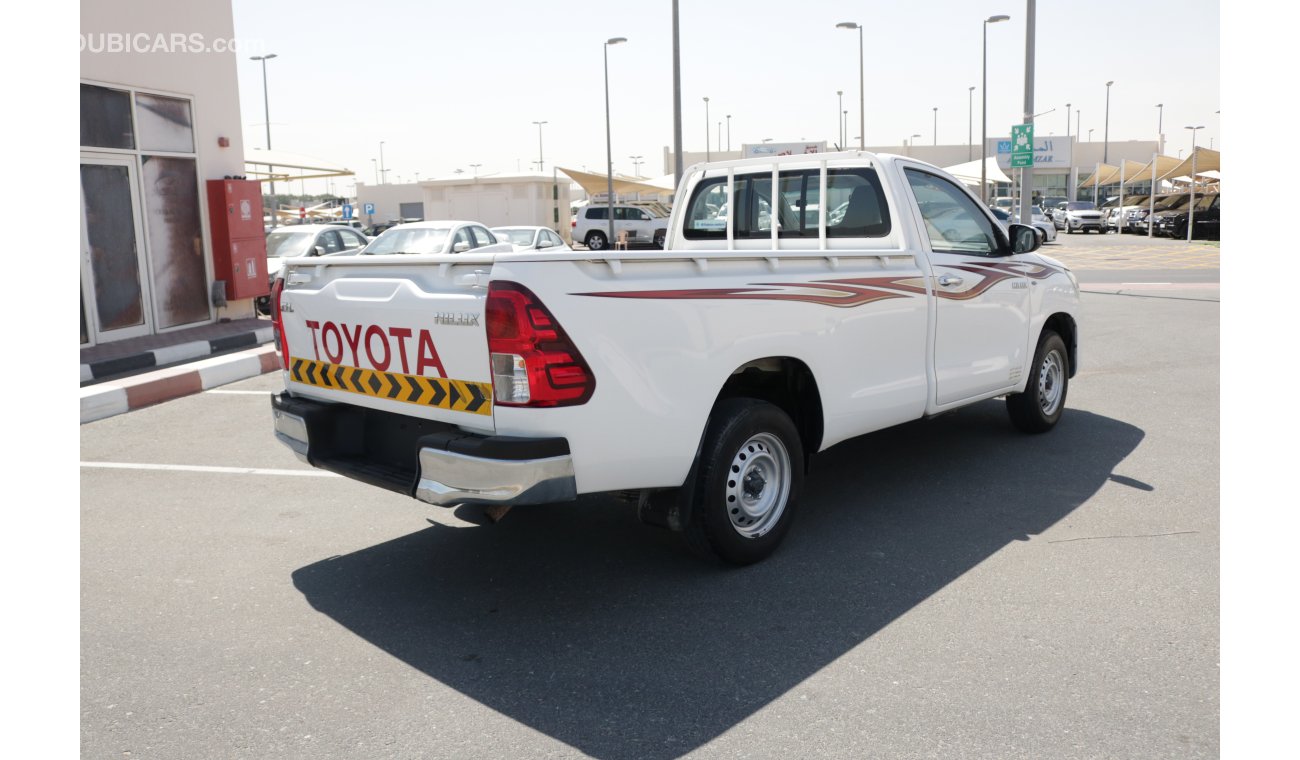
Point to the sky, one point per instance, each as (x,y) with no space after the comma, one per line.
(445,85)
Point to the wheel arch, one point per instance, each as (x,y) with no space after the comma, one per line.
(1064,325)
(788,384)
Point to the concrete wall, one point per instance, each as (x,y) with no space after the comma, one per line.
(494,201)
(208,77)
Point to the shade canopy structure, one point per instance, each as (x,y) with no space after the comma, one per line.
(1165,167)
(1207,160)
(969,172)
(595,184)
(269,166)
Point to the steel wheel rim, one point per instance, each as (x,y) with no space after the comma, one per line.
(1051,378)
(758,485)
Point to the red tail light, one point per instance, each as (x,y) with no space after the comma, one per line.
(533,361)
(281,343)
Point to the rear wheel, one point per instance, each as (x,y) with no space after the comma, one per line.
(596,241)
(660,238)
(749,477)
(1038,409)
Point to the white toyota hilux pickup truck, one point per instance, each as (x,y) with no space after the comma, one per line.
(697,381)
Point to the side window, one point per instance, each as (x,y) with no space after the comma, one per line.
(461,237)
(706,216)
(642,215)
(482,237)
(352,240)
(329,240)
(753,207)
(800,193)
(856,204)
(597,212)
(953,221)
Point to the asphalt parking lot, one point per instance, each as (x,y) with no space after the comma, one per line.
(951,588)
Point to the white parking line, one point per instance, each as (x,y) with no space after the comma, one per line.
(202,468)
(240,393)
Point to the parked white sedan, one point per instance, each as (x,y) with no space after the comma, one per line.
(531,238)
(447,236)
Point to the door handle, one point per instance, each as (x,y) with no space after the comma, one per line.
(950,281)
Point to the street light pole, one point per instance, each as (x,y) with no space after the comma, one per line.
(266,104)
(1105,150)
(375,164)
(838,122)
(1160,127)
(677,100)
(609,150)
(936,126)
(984,110)
(1067,120)
(475,167)
(728,133)
(970,122)
(1191,206)
(1027,172)
(539,144)
(636,166)
(862,88)
(707,155)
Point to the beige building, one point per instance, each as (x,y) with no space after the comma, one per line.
(159,116)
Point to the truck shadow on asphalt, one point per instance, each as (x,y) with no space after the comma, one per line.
(610,637)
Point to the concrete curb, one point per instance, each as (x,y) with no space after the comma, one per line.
(117,397)
(172,354)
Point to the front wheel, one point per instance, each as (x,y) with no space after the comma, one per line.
(596,241)
(1038,409)
(748,482)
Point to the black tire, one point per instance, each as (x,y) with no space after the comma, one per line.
(1038,409)
(1069,230)
(263,305)
(596,241)
(660,238)
(750,447)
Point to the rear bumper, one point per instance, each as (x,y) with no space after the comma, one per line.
(434,462)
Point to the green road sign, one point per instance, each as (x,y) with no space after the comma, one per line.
(1022,146)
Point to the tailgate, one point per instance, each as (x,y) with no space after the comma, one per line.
(404,336)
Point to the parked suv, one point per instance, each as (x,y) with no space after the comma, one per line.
(1173,223)
(1082,216)
(591,226)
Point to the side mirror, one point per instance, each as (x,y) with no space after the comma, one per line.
(1024,238)
(318,250)
(544,244)
(460,247)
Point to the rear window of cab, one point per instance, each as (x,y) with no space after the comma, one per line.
(854,205)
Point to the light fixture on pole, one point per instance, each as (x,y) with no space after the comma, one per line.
(375,163)
(984,109)
(728,132)
(609,150)
(636,166)
(936,126)
(719,135)
(970,122)
(1090,131)
(908,143)
(539,145)
(862,88)
(1105,150)
(1191,206)
(383,173)
(707,155)
(838,122)
(1067,120)
(266,104)
(475,167)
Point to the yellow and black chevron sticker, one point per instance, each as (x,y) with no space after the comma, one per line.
(437,392)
